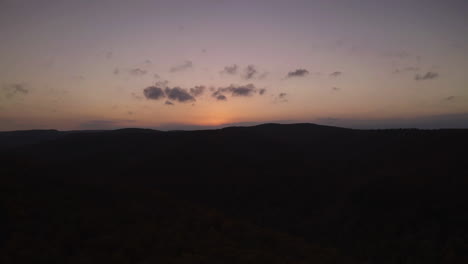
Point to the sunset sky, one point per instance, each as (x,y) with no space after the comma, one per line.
(102,64)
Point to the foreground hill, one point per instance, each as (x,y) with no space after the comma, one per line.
(386,196)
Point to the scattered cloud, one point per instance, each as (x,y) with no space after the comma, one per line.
(182,67)
(179,94)
(450,98)
(232,69)
(427,76)
(298,73)
(156,76)
(197,90)
(221,97)
(250,72)
(116,71)
(169,103)
(336,74)
(262,91)
(154,93)
(335,89)
(137,72)
(281,98)
(235,90)
(15,89)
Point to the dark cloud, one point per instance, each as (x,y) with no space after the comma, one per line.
(250,72)
(137,72)
(298,73)
(450,98)
(282,95)
(245,90)
(14,89)
(336,74)
(232,69)
(335,89)
(154,93)
(427,76)
(169,103)
(179,94)
(197,90)
(182,67)
(221,97)
(262,91)
(234,90)
(116,71)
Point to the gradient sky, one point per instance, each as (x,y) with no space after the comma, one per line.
(87,64)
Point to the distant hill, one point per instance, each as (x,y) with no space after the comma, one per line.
(385,196)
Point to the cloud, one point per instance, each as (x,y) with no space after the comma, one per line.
(116,71)
(15,89)
(281,98)
(232,69)
(427,76)
(197,90)
(137,72)
(235,90)
(335,89)
(243,90)
(182,67)
(336,74)
(179,94)
(169,103)
(156,76)
(450,98)
(262,91)
(154,93)
(298,73)
(250,72)
(221,97)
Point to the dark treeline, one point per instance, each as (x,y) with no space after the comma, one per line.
(272,193)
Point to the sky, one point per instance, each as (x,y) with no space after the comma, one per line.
(101,64)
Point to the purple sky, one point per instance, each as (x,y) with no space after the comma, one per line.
(203,63)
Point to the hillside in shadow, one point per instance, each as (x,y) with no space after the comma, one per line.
(299,193)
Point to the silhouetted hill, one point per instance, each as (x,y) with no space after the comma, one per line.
(385,196)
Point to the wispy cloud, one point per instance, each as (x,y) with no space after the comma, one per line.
(182,67)
(250,72)
(336,74)
(298,73)
(137,72)
(15,89)
(427,76)
(232,69)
